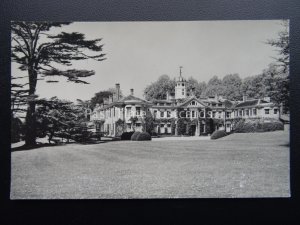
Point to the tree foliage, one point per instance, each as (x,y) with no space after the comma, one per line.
(148,123)
(101,95)
(232,87)
(283,47)
(214,87)
(277,75)
(58,118)
(159,88)
(198,87)
(43,55)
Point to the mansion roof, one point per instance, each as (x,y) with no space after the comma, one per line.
(252,103)
(210,103)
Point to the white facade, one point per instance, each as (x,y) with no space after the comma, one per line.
(167,112)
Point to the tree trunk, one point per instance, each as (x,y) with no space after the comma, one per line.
(30,131)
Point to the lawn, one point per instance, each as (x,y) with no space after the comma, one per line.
(239,165)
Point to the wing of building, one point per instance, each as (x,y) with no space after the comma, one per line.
(180,113)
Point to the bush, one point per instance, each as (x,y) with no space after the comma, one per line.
(272,126)
(144,136)
(251,126)
(84,136)
(153,133)
(218,134)
(134,136)
(126,135)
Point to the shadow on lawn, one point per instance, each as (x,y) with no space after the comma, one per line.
(285,145)
(41,145)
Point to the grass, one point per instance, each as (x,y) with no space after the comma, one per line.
(239,165)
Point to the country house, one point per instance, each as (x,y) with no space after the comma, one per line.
(180,113)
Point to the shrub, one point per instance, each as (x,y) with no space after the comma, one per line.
(126,135)
(251,126)
(218,134)
(84,136)
(153,133)
(272,126)
(144,136)
(134,135)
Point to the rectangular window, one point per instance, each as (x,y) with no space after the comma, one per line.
(247,112)
(193,114)
(168,114)
(188,114)
(275,111)
(128,111)
(162,114)
(241,113)
(155,113)
(138,111)
(168,125)
(227,114)
(220,114)
(201,114)
(267,111)
(214,114)
(254,112)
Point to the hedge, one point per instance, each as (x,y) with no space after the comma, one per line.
(144,136)
(251,126)
(218,134)
(126,135)
(134,135)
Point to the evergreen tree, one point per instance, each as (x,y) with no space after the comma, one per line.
(43,55)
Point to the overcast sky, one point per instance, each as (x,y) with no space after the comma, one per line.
(139,52)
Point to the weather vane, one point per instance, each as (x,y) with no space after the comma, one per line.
(180,67)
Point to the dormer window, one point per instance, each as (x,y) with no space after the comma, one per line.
(193,103)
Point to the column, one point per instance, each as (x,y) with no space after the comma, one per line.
(204,126)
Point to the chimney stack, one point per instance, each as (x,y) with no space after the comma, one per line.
(244,98)
(118,91)
(131,91)
(110,99)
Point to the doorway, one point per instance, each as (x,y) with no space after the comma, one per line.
(193,130)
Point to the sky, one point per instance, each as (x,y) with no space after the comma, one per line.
(139,52)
